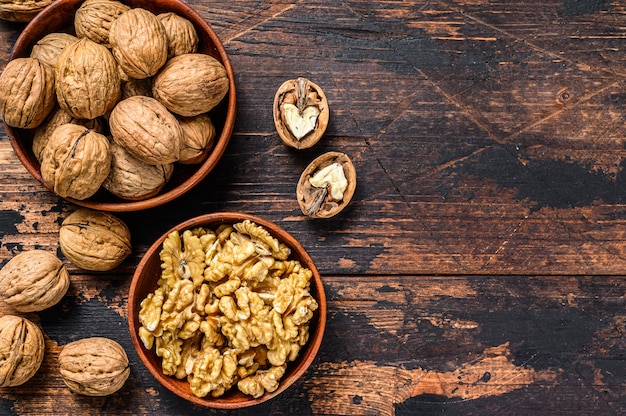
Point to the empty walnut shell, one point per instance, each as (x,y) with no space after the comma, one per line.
(147,130)
(93,19)
(26,92)
(33,280)
(300,113)
(94,240)
(21,10)
(75,161)
(198,136)
(139,43)
(181,35)
(94,366)
(22,350)
(326,196)
(191,84)
(48,48)
(132,179)
(87,79)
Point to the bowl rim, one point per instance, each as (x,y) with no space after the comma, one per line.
(202,170)
(212,219)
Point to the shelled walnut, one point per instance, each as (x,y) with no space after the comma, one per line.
(327,185)
(94,366)
(33,280)
(300,113)
(94,240)
(22,350)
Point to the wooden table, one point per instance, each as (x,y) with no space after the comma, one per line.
(480,268)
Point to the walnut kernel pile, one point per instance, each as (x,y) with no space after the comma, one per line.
(230,309)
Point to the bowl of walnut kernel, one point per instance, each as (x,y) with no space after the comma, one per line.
(118,105)
(226,310)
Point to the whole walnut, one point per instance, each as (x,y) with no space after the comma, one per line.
(48,48)
(75,161)
(147,130)
(21,10)
(94,366)
(22,351)
(87,79)
(132,179)
(94,240)
(33,280)
(181,35)
(26,92)
(57,118)
(198,136)
(139,43)
(94,18)
(191,84)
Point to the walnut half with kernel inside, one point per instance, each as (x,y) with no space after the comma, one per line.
(327,185)
(300,113)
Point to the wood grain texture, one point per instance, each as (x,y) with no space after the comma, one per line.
(480,266)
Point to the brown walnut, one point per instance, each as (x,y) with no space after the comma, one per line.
(33,280)
(21,10)
(191,84)
(87,79)
(94,366)
(139,43)
(57,118)
(94,18)
(147,130)
(22,350)
(300,113)
(327,185)
(198,136)
(94,240)
(75,161)
(48,48)
(26,92)
(132,179)
(181,35)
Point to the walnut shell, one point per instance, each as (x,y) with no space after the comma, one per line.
(198,135)
(21,10)
(48,48)
(147,130)
(94,366)
(300,113)
(191,84)
(33,280)
(94,18)
(139,43)
(323,201)
(181,35)
(132,179)
(26,92)
(94,240)
(22,350)
(87,79)
(57,118)
(75,161)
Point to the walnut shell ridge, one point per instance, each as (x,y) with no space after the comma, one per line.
(33,280)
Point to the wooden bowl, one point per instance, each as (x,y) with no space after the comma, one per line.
(58,17)
(145,279)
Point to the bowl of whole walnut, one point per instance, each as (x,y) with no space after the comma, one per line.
(118,105)
(227,310)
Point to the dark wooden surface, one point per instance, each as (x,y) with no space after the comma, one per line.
(481,266)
